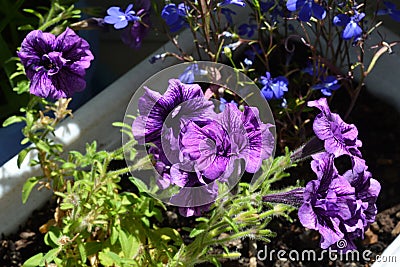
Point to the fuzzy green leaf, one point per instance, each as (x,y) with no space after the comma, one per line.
(27,188)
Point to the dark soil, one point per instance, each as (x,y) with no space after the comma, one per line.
(379,128)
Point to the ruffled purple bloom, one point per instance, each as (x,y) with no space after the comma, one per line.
(181,102)
(351,25)
(273,88)
(339,137)
(338,207)
(175,16)
(391,10)
(231,136)
(120,18)
(327,85)
(56,66)
(366,189)
(308,8)
(328,202)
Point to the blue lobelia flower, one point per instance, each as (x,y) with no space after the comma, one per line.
(247,30)
(308,8)
(119,18)
(327,85)
(350,24)
(188,76)
(175,16)
(233,2)
(390,10)
(274,88)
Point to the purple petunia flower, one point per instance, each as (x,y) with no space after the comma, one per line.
(273,88)
(366,189)
(180,102)
(308,8)
(233,2)
(175,16)
(390,9)
(194,192)
(339,137)
(232,135)
(119,18)
(55,65)
(350,24)
(339,207)
(327,85)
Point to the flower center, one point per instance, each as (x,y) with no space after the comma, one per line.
(53,62)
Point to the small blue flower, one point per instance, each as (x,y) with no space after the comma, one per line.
(223,103)
(312,70)
(188,76)
(307,8)
(327,85)
(390,10)
(274,88)
(252,53)
(175,16)
(274,9)
(247,30)
(119,18)
(350,24)
(233,2)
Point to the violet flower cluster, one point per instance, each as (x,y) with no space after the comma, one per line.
(55,66)
(339,206)
(193,146)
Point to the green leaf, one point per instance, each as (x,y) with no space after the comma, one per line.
(12,120)
(195,232)
(82,252)
(27,188)
(109,258)
(43,146)
(114,235)
(68,165)
(66,206)
(34,261)
(142,187)
(50,256)
(22,156)
(129,245)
